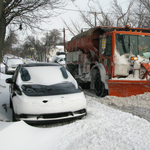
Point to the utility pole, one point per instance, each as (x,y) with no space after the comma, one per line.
(47,47)
(64,39)
(95,16)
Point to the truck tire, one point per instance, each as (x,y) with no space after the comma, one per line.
(99,86)
(84,85)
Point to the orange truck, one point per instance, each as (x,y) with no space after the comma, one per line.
(111,60)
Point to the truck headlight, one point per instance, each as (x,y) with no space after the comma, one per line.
(133,58)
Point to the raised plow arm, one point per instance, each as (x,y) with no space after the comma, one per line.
(145,71)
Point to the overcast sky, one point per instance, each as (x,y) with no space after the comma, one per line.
(71,12)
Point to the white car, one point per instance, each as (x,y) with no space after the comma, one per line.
(45,92)
(11,64)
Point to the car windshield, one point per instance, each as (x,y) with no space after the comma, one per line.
(133,44)
(43,90)
(44,75)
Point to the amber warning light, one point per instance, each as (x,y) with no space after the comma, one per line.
(133,58)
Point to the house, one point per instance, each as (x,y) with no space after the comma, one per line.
(54,50)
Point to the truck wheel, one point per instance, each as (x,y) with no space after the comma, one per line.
(99,86)
(84,85)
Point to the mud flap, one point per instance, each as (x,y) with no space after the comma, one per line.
(126,88)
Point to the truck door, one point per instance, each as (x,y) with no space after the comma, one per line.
(106,56)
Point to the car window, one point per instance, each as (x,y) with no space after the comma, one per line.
(25,76)
(47,75)
(14,77)
(64,72)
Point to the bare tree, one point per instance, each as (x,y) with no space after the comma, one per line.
(9,42)
(27,12)
(122,18)
(53,38)
(95,16)
(32,46)
(142,13)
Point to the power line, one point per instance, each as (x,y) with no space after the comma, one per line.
(77,10)
(87,11)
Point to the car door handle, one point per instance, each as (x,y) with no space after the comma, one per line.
(45,101)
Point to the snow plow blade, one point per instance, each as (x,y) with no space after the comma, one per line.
(126,88)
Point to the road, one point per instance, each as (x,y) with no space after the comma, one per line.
(142,111)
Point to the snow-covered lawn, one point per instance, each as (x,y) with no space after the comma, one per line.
(103,128)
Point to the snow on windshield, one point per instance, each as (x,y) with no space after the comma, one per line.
(48,75)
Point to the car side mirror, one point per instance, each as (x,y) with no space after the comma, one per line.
(9,80)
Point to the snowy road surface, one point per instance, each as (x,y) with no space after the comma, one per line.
(104,128)
(137,105)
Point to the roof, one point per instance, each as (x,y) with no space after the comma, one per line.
(104,29)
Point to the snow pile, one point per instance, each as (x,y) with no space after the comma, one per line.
(103,128)
(142,100)
(106,128)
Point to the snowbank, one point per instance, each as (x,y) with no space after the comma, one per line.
(103,128)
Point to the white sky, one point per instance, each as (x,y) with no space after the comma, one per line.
(67,15)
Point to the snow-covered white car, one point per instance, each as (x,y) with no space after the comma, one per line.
(44,92)
(11,64)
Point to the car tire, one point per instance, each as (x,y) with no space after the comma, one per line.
(99,86)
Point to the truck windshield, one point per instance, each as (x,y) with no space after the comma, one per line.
(133,44)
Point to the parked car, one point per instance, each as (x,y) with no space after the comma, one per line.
(6,57)
(59,58)
(11,64)
(45,92)
(28,61)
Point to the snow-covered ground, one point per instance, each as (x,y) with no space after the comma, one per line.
(103,128)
